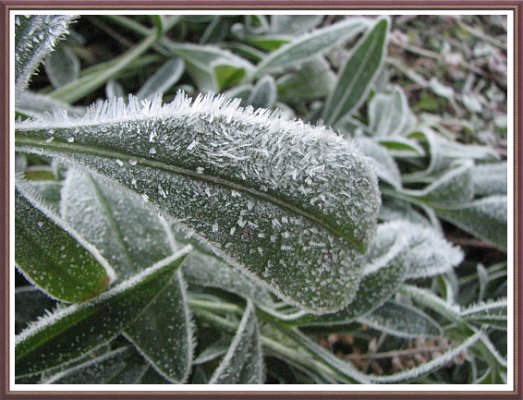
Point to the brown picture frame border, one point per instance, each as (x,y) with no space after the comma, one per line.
(9,5)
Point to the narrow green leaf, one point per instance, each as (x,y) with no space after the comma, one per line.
(243,362)
(356,76)
(401,320)
(52,255)
(402,146)
(90,82)
(163,79)
(428,299)
(35,37)
(62,66)
(485,218)
(492,314)
(134,237)
(70,332)
(310,45)
(301,203)
(264,93)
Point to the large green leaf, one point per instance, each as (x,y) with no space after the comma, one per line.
(35,37)
(309,45)
(52,255)
(243,362)
(133,238)
(291,205)
(357,74)
(70,332)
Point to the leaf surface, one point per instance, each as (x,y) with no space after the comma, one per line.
(309,45)
(52,255)
(72,331)
(401,320)
(243,362)
(35,37)
(134,237)
(163,79)
(291,205)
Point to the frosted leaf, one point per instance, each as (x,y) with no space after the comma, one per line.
(384,271)
(389,114)
(35,105)
(163,79)
(280,168)
(492,313)
(386,167)
(454,186)
(52,255)
(71,331)
(428,252)
(35,37)
(30,303)
(309,45)
(490,178)
(132,238)
(485,218)
(432,365)
(243,362)
(401,320)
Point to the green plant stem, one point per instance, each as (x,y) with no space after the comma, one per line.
(89,83)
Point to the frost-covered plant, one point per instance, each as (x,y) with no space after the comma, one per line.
(211,239)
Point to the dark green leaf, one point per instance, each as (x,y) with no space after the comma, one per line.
(70,332)
(356,76)
(52,255)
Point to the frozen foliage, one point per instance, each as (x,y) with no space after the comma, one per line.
(71,331)
(243,362)
(401,320)
(301,194)
(428,253)
(485,218)
(133,237)
(35,37)
(52,255)
(490,178)
(310,44)
(386,167)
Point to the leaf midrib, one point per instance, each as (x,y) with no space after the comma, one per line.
(92,150)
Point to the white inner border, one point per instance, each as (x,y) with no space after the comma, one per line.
(294,388)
